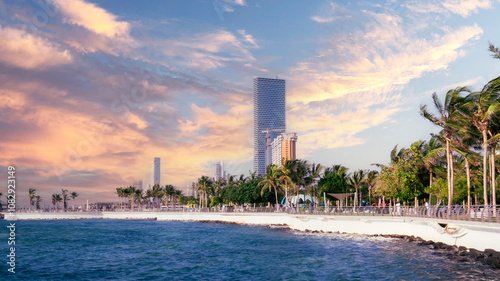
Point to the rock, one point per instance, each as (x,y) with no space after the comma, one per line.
(475,254)
(489,252)
(438,245)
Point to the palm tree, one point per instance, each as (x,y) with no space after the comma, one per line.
(357,178)
(169,192)
(253,175)
(204,184)
(271,181)
(300,176)
(287,171)
(481,109)
(64,198)
(158,192)
(177,194)
(218,186)
(138,197)
(495,51)
(314,172)
(445,111)
(73,196)
(432,152)
(242,179)
(38,199)
(371,177)
(56,198)
(120,193)
(130,192)
(32,196)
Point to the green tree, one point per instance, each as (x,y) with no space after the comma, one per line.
(203,186)
(271,181)
(74,194)
(38,199)
(65,198)
(56,198)
(370,180)
(314,174)
(356,180)
(445,111)
(32,195)
(481,110)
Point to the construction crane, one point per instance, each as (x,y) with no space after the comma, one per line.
(267,131)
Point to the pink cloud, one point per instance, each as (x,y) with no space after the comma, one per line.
(20,49)
(92,17)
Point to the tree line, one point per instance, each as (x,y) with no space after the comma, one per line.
(155,197)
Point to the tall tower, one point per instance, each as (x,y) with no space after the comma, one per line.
(156,179)
(269,101)
(284,148)
(218,171)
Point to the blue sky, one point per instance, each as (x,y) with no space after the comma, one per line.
(92,91)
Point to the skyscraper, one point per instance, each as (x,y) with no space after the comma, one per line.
(157,172)
(269,102)
(284,148)
(218,171)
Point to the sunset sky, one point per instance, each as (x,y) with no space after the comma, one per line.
(92,91)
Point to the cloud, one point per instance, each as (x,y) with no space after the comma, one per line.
(463,8)
(321,129)
(380,58)
(331,12)
(248,38)
(466,7)
(355,79)
(209,50)
(20,49)
(91,17)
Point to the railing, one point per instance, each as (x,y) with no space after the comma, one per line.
(464,213)
(456,212)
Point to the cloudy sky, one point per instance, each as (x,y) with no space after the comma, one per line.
(91,91)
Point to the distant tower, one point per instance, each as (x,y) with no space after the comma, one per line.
(269,113)
(218,171)
(157,171)
(284,148)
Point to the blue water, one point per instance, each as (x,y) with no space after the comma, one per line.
(155,250)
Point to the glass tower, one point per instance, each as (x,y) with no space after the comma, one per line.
(269,103)
(157,171)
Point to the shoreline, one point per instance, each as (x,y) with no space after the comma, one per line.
(476,235)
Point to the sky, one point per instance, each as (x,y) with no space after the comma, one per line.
(91,91)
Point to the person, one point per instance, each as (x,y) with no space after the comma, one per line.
(426,204)
(398,208)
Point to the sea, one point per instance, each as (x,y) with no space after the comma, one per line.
(165,250)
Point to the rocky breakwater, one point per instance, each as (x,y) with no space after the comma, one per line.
(487,257)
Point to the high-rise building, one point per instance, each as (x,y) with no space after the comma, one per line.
(269,114)
(284,148)
(218,171)
(157,171)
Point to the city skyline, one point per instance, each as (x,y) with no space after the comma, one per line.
(93,90)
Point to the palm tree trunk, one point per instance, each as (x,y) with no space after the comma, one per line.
(276,195)
(286,194)
(493,180)
(485,168)
(492,172)
(467,170)
(449,171)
